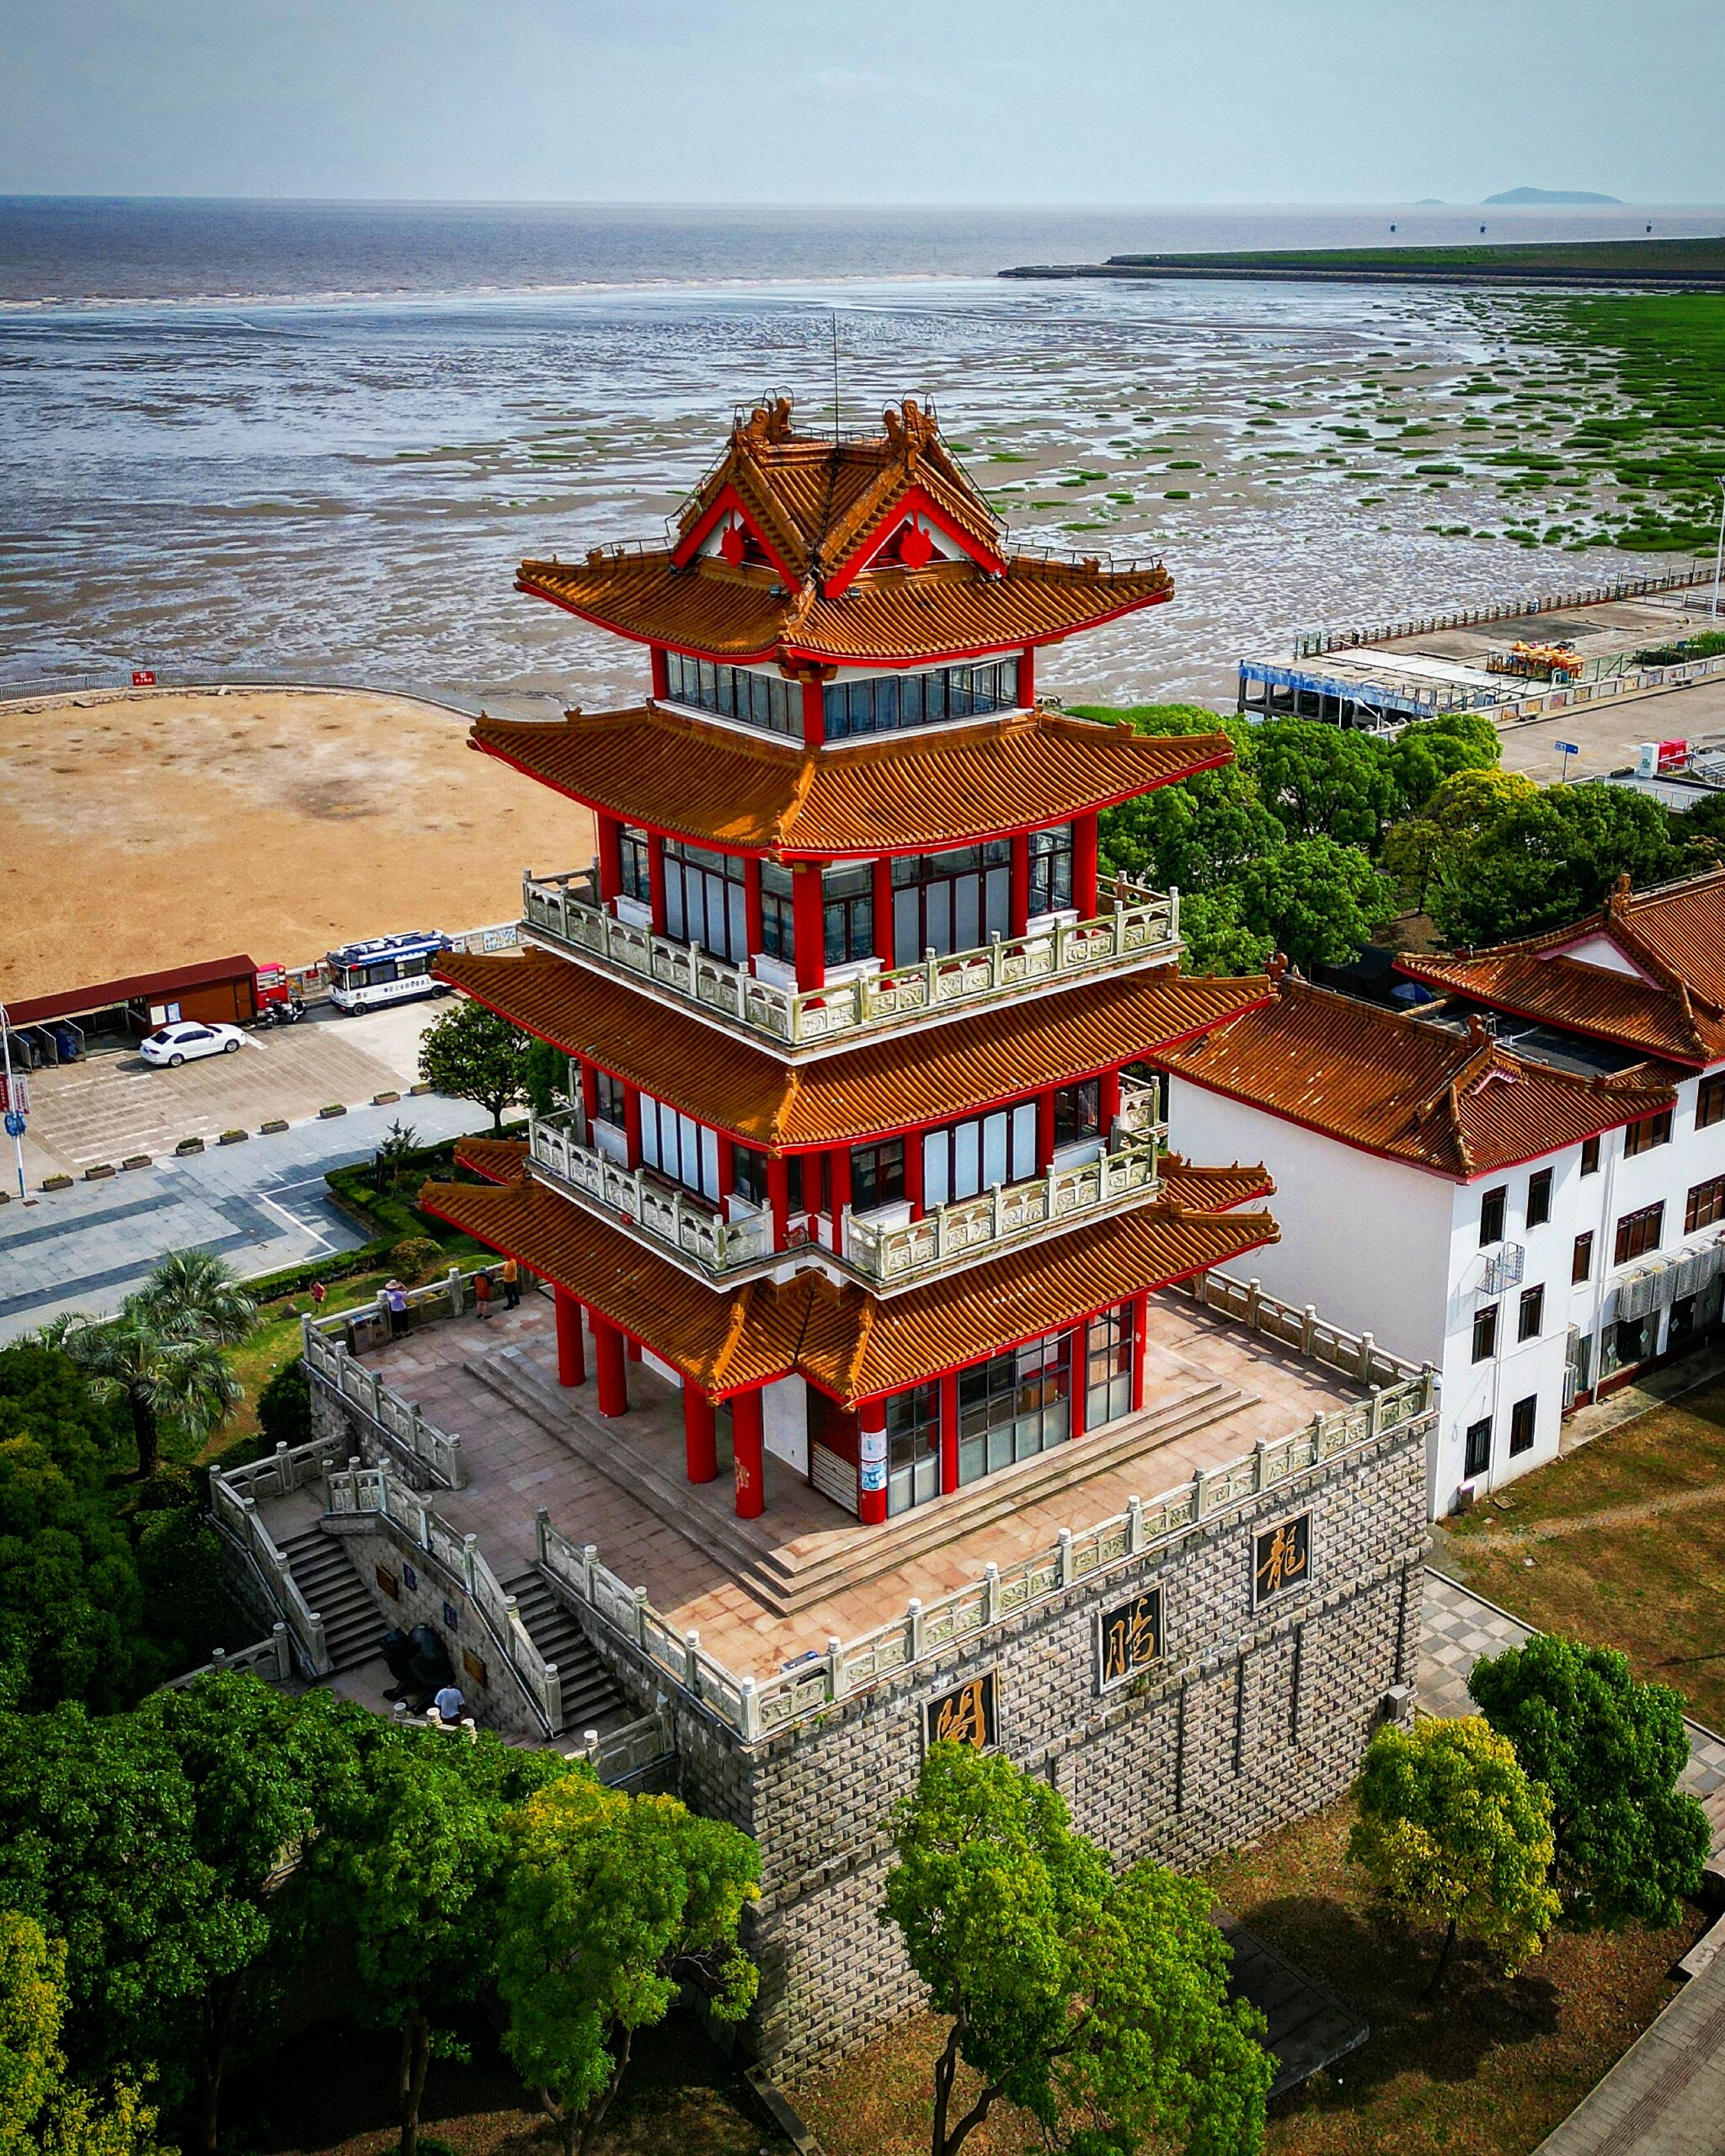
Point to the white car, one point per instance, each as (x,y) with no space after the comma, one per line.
(187,1040)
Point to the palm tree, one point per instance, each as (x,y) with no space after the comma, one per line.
(163,1352)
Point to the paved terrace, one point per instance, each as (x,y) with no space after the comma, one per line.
(761,1593)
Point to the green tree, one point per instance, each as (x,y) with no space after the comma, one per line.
(1316,899)
(199,1297)
(1070,1993)
(1195,835)
(469,1054)
(42,2111)
(613,1902)
(546,1079)
(1325,782)
(285,1406)
(1434,848)
(1452,1832)
(1551,861)
(414,1861)
(1431,750)
(1216,937)
(1630,1844)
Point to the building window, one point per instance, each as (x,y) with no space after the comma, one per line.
(609,1096)
(888,702)
(1522,1417)
(847,908)
(912,1448)
(763,700)
(1485,1333)
(635,856)
(1709,1101)
(953,901)
(1491,1216)
(748,1174)
(1680,1331)
(681,1149)
(1637,1233)
(705,902)
(1110,1351)
(1050,870)
(1529,1313)
(1014,1407)
(1581,1259)
(968,1157)
(1077,1112)
(806,1180)
(1539,1198)
(1705,1205)
(1477,1457)
(1647,1131)
(1589,1157)
(877,1175)
(779,913)
(1629,1342)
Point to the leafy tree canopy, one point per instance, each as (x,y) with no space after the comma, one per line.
(1630,1844)
(1552,859)
(1071,1992)
(1315,898)
(1325,782)
(43,2112)
(469,1054)
(1431,750)
(1452,1832)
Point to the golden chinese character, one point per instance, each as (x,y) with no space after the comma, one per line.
(960,1719)
(1285,1562)
(1131,1639)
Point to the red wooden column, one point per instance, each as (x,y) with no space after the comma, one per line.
(726,1169)
(810,924)
(747,1450)
(612,1371)
(913,1172)
(610,858)
(632,1122)
(700,1441)
(1026,674)
(883,910)
(814,714)
(571,1349)
(1141,1312)
(655,878)
(1046,1130)
(752,927)
(838,1191)
(949,1433)
(589,1096)
(1084,866)
(661,673)
(778,1199)
(1107,1103)
(870,1462)
(1078,1379)
(631,1348)
(1019,903)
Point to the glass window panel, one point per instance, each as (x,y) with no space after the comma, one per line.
(967,1159)
(998,911)
(709,1162)
(937,919)
(1024,1141)
(675,925)
(910,699)
(650,1131)
(907,927)
(737,909)
(886,703)
(967,913)
(994,1150)
(935,1190)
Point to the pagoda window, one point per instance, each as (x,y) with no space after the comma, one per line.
(912,1448)
(779,919)
(877,1175)
(1109,1394)
(706,900)
(766,702)
(1051,870)
(806,1183)
(748,1174)
(1077,1112)
(886,703)
(682,1149)
(609,1097)
(634,863)
(955,901)
(974,1155)
(847,911)
(1014,1405)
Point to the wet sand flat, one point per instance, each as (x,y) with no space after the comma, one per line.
(154,828)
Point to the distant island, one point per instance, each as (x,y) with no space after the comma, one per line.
(1549,194)
(1675,264)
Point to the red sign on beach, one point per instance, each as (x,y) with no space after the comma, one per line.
(142,678)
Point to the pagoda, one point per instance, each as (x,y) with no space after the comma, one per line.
(862,1148)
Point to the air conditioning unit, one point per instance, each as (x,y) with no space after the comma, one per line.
(1637,1295)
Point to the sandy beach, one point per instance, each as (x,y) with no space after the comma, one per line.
(149,827)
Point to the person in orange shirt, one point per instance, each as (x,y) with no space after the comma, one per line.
(511,1284)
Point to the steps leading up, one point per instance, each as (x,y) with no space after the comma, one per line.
(327,1577)
(788,1575)
(590,1701)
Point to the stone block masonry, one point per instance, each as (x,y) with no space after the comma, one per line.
(1255,1713)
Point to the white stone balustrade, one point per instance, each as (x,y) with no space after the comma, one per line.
(690,1227)
(1141,925)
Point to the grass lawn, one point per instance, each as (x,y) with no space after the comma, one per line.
(1486,2070)
(1622,1545)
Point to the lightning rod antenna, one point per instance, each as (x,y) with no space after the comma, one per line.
(834,378)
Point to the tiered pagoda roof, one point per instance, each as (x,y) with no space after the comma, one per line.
(1455,1103)
(1647,972)
(912,793)
(885,1086)
(845,1341)
(826,559)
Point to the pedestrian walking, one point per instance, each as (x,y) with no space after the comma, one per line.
(451,1705)
(511,1284)
(482,1294)
(395,1301)
(319,1296)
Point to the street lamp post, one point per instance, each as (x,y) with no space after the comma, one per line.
(14,1114)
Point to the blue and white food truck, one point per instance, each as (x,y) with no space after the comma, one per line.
(388,969)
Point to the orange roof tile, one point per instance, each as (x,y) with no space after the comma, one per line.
(888,617)
(1457,1104)
(911,793)
(1208,1190)
(1673,1004)
(847,1344)
(887,1086)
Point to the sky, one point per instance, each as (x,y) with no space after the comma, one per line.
(926,101)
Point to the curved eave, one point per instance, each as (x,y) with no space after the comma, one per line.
(1643,1040)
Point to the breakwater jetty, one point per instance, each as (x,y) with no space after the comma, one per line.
(1676,265)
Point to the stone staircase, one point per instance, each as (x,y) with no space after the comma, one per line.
(590,1701)
(327,1577)
(790,1574)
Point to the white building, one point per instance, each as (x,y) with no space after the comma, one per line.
(1524,1185)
